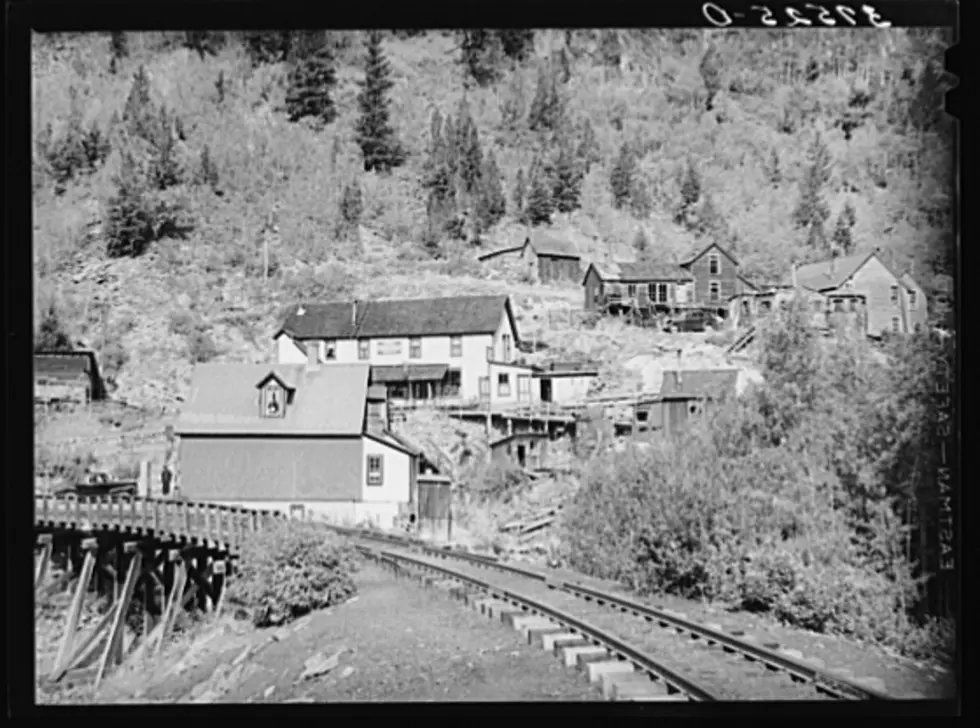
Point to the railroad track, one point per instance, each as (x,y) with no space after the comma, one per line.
(636,651)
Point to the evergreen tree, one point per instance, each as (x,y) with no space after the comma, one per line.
(351,204)
(311,81)
(690,185)
(481,53)
(520,193)
(118,49)
(588,151)
(266,47)
(811,211)
(165,170)
(610,48)
(220,86)
(204,42)
(710,68)
(493,204)
(622,176)
(96,146)
(436,177)
(843,238)
(128,227)
(641,242)
(208,171)
(468,154)
(138,113)
(51,334)
(374,134)
(451,151)
(927,109)
(709,222)
(516,43)
(775,168)
(546,108)
(513,106)
(567,180)
(539,204)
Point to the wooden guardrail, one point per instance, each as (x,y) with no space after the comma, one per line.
(210,524)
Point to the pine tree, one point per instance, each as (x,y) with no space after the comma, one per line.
(51,334)
(775,169)
(204,42)
(641,242)
(481,53)
(610,48)
(927,108)
(118,49)
(138,113)
(588,151)
(311,81)
(690,186)
(467,149)
(220,86)
(96,146)
(437,178)
(513,105)
(546,108)
(265,47)
(567,180)
(351,204)
(451,155)
(520,193)
(208,171)
(539,204)
(128,227)
(516,43)
(374,134)
(621,178)
(811,211)
(493,204)
(165,170)
(710,68)
(843,238)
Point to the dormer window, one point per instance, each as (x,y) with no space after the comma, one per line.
(273,400)
(329,350)
(714,264)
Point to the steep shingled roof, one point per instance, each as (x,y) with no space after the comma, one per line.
(450,315)
(329,400)
(834,272)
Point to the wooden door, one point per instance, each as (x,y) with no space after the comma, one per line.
(523,388)
(484,389)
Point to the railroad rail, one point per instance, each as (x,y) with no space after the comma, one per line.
(822,680)
(207,524)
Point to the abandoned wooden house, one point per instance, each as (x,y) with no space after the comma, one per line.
(715,273)
(643,288)
(551,258)
(67,376)
(684,395)
(522,449)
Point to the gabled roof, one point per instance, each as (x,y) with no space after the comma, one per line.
(549,244)
(450,315)
(700,382)
(641,272)
(392,440)
(499,251)
(330,400)
(282,377)
(70,365)
(721,250)
(835,272)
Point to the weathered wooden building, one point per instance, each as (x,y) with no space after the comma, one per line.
(67,376)
(715,272)
(552,258)
(523,449)
(645,286)
(684,395)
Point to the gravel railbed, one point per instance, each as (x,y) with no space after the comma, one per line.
(729,676)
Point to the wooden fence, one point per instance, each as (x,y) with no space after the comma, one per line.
(211,525)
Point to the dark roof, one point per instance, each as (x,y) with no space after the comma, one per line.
(377,392)
(450,315)
(69,365)
(548,244)
(500,251)
(834,272)
(518,436)
(408,373)
(223,400)
(721,250)
(392,440)
(699,382)
(641,272)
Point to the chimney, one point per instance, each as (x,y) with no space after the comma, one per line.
(353,314)
(677,375)
(312,354)
(833,264)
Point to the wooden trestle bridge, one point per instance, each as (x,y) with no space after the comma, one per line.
(174,554)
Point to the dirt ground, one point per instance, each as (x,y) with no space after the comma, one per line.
(395,641)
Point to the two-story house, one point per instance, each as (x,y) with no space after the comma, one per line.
(890,303)
(617,287)
(454,349)
(715,273)
(306,437)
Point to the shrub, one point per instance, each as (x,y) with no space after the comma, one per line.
(288,570)
(498,482)
(182,323)
(201,347)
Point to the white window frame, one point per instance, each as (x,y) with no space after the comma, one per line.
(503,384)
(663,291)
(523,387)
(455,346)
(894,295)
(714,264)
(896,324)
(631,290)
(714,291)
(375,477)
(415,347)
(329,349)
(364,349)
(913,300)
(505,339)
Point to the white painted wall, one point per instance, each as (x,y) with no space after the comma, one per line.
(287,352)
(874,280)
(342,513)
(396,474)
(512,371)
(569,389)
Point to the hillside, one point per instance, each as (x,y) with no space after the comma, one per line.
(211,293)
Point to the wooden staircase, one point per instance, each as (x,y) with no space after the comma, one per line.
(744,339)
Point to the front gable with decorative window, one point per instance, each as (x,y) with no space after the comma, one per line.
(275,395)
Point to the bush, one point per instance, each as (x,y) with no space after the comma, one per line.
(201,347)
(288,570)
(182,323)
(498,482)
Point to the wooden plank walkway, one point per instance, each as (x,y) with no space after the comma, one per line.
(197,523)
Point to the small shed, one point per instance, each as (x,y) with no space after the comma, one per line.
(524,449)
(565,382)
(553,258)
(67,376)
